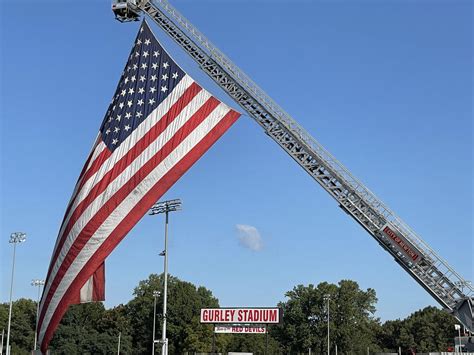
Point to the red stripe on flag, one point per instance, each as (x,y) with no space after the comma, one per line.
(133,217)
(98,281)
(124,162)
(80,181)
(91,227)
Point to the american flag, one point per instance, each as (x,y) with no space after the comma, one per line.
(159,123)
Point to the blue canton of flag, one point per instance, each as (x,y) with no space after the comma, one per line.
(149,76)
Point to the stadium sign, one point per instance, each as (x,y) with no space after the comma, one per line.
(241,315)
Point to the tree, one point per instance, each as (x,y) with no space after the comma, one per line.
(22,326)
(429,329)
(91,329)
(252,343)
(184,331)
(305,318)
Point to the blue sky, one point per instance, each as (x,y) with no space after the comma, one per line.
(384,86)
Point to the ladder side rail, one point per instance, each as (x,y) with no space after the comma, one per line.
(290,123)
(201,59)
(285,118)
(253,107)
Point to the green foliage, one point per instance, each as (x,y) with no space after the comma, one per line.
(351,319)
(22,326)
(429,329)
(92,329)
(254,343)
(184,332)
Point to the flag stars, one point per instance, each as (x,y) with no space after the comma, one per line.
(127,128)
(152,90)
(144,66)
(131,91)
(164,89)
(133,79)
(138,114)
(139,41)
(107,131)
(164,77)
(140,102)
(147,42)
(156,53)
(151,101)
(129,103)
(153,78)
(154,66)
(165,65)
(116,129)
(137,54)
(123,93)
(135,66)
(142,78)
(175,75)
(141,91)
(114,141)
(118,118)
(145,54)
(121,105)
(126,80)
(128,115)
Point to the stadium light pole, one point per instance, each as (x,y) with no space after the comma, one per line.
(39,284)
(458,346)
(15,238)
(165,207)
(328,298)
(156,294)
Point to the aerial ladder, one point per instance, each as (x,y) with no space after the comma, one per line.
(434,274)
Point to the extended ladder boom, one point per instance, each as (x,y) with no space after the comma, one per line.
(409,250)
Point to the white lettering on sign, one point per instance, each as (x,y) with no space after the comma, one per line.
(240,315)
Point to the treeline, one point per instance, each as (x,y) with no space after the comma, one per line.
(92,329)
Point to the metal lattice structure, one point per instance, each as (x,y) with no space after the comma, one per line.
(413,254)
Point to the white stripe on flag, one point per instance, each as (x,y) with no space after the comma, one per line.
(128,143)
(127,205)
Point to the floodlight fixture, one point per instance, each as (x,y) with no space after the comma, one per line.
(17,237)
(166,206)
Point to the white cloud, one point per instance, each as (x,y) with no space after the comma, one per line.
(249,237)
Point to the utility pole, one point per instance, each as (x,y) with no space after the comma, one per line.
(39,284)
(1,347)
(118,346)
(328,298)
(15,238)
(156,294)
(458,328)
(165,207)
